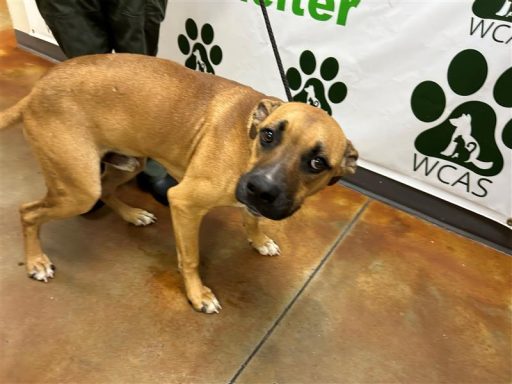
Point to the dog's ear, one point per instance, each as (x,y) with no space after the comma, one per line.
(264,108)
(348,163)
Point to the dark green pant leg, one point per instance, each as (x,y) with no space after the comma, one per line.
(135,24)
(126,19)
(79,26)
(97,26)
(155,14)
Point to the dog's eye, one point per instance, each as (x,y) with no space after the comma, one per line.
(317,164)
(266,136)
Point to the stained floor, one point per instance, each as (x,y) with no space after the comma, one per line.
(363,293)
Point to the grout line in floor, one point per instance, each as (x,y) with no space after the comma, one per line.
(337,242)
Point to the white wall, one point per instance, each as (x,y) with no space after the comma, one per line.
(26,18)
(18,15)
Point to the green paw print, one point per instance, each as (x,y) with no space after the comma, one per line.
(201,56)
(493,9)
(314,91)
(467,136)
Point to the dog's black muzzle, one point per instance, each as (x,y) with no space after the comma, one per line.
(265,195)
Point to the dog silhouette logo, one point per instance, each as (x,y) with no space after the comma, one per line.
(311,96)
(463,146)
(506,9)
(199,64)
(493,9)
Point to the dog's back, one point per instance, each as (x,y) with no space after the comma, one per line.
(125,101)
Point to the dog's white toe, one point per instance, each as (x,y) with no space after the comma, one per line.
(42,271)
(206,301)
(270,248)
(140,217)
(146,218)
(213,306)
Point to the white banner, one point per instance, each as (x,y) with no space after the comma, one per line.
(37,25)
(423,88)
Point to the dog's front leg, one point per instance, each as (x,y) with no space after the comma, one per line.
(186,220)
(261,242)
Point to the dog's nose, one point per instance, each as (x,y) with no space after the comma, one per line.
(262,189)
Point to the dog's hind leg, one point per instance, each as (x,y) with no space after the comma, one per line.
(261,242)
(116,175)
(72,190)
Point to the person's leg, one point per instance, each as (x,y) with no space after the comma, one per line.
(126,22)
(135,25)
(155,14)
(79,26)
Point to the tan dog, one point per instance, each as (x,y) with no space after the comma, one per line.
(227,144)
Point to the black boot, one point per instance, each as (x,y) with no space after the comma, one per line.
(155,180)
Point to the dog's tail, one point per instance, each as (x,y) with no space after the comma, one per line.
(13,114)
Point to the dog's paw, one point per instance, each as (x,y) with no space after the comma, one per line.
(205,302)
(268,248)
(40,268)
(139,217)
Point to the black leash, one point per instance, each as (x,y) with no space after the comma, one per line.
(276,51)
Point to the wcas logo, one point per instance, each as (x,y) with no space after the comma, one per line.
(493,20)
(461,149)
(199,48)
(317,84)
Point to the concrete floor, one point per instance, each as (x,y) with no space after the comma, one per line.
(363,293)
